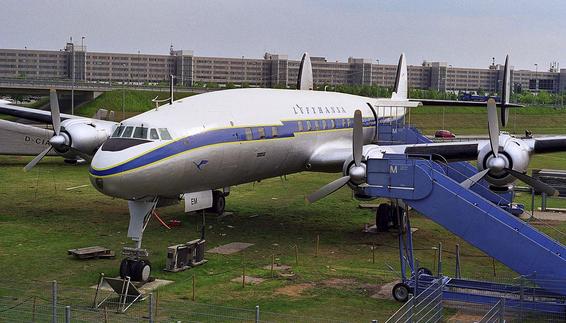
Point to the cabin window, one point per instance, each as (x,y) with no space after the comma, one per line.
(309,127)
(332,124)
(249,134)
(348,122)
(261,133)
(164,133)
(153,134)
(316,126)
(140,133)
(323,124)
(128,132)
(274,132)
(343,123)
(118,131)
(300,125)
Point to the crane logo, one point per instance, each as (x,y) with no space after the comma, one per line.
(201,164)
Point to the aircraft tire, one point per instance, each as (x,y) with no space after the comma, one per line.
(141,270)
(382,216)
(124,268)
(218,202)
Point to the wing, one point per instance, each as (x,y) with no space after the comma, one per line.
(29,113)
(462,103)
(23,140)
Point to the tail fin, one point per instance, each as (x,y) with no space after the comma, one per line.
(505,92)
(401,86)
(305,79)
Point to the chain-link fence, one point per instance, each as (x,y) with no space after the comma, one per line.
(53,302)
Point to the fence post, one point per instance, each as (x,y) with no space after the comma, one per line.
(257,314)
(502,310)
(54,301)
(150,307)
(317,243)
(439,259)
(458,274)
(67,314)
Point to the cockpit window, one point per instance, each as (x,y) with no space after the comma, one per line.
(118,131)
(140,133)
(128,132)
(153,134)
(164,133)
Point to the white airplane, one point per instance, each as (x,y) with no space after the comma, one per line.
(200,146)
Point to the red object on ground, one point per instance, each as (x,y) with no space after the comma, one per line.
(444,134)
(174,223)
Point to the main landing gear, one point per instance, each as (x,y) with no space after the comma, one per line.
(386,217)
(135,264)
(218,202)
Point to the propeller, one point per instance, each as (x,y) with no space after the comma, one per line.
(498,163)
(356,172)
(58,141)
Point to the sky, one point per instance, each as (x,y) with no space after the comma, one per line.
(462,33)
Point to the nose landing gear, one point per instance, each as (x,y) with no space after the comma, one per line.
(135,264)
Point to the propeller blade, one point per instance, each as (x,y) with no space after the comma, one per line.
(534,183)
(37,158)
(358,138)
(467,183)
(493,126)
(328,189)
(55,116)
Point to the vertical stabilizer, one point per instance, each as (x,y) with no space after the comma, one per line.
(305,79)
(505,92)
(401,84)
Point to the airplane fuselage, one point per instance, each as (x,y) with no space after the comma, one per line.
(226,138)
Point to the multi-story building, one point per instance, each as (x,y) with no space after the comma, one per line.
(273,70)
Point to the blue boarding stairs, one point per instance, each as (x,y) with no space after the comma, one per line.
(426,186)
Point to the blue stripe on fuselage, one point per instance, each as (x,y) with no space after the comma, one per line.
(227,135)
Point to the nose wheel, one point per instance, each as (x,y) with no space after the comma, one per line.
(136,269)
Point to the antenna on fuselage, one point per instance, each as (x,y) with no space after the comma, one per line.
(170,99)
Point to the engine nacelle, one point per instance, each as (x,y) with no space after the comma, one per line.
(82,135)
(513,154)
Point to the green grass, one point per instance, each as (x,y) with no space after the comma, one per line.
(40,219)
(473,121)
(134,102)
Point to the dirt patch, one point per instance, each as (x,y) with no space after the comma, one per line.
(250,280)
(381,291)
(230,248)
(464,317)
(293,290)
(278,267)
(340,283)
